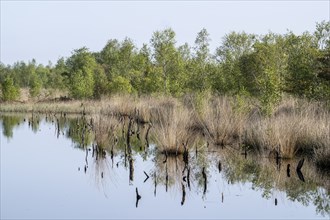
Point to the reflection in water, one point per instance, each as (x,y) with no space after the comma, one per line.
(183,194)
(9,123)
(108,139)
(288,170)
(138,197)
(264,175)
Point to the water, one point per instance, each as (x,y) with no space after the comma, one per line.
(43,176)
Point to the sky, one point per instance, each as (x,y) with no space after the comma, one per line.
(49,30)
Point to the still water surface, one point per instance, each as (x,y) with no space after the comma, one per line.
(45,174)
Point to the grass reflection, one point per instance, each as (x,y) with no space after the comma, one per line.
(110,141)
(269,177)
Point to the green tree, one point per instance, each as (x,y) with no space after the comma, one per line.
(166,57)
(301,78)
(199,71)
(58,77)
(234,47)
(271,63)
(109,57)
(81,69)
(143,76)
(120,85)
(101,86)
(322,34)
(35,85)
(10,91)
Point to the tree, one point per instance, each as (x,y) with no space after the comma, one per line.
(35,85)
(322,34)
(302,51)
(120,85)
(109,57)
(234,46)
(58,77)
(165,54)
(144,79)
(199,74)
(269,68)
(101,86)
(81,69)
(10,91)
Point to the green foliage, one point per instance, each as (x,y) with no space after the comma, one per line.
(270,92)
(59,76)
(243,65)
(101,86)
(199,67)
(9,90)
(79,132)
(35,85)
(166,58)
(302,60)
(233,48)
(322,34)
(81,67)
(120,84)
(322,91)
(271,64)
(9,123)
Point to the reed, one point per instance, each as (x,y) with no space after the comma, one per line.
(105,129)
(171,123)
(296,127)
(222,124)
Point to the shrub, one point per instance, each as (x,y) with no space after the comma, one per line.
(10,91)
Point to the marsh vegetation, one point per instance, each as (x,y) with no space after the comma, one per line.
(256,103)
(297,128)
(112,146)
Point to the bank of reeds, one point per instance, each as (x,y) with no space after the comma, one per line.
(296,127)
(171,127)
(222,125)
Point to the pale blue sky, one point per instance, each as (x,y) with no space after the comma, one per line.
(47,30)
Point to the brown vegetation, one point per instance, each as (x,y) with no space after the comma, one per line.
(296,127)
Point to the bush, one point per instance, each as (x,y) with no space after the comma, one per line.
(10,92)
(35,87)
(120,84)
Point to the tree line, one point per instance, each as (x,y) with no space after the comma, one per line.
(262,66)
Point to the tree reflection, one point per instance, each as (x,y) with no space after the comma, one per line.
(9,123)
(264,175)
(80,132)
(105,139)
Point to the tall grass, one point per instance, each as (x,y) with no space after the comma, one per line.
(171,123)
(296,126)
(105,131)
(222,124)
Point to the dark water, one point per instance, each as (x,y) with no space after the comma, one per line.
(46,172)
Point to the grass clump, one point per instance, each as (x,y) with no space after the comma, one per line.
(222,124)
(294,128)
(171,122)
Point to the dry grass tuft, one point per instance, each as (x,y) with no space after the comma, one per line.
(171,123)
(222,125)
(294,128)
(105,131)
